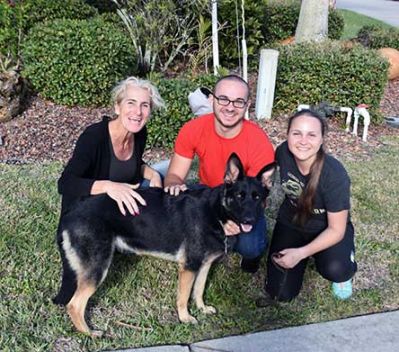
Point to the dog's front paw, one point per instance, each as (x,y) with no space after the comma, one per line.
(208,310)
(187,318)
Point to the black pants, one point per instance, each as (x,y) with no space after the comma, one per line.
(335,264)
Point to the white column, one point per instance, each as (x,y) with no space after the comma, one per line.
(244,44)
(266,83)
(215,42)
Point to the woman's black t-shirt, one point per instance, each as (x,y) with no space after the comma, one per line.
(332,194)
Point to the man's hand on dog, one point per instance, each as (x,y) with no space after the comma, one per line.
(125,196)
(175,190)
(231,228)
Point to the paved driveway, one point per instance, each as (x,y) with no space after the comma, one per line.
(384,10)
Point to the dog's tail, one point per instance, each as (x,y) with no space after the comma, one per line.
(69,280)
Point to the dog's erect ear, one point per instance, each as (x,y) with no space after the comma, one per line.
(234,169)
(265,174)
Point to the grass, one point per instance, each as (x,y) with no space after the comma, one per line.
(354,21)
(136,303)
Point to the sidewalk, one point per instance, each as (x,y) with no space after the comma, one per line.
(367,333)
(383,10)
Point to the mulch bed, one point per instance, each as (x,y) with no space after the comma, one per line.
(47,132)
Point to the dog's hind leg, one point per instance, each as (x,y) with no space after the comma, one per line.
(185,284)
(77,306)
(69,271)
(199,285)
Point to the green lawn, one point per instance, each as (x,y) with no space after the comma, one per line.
(136,304)
(354,21)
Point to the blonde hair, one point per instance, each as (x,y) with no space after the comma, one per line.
(119,91)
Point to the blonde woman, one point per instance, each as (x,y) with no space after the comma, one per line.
(108,155)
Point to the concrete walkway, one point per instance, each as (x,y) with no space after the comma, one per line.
(383,10)
(367,333)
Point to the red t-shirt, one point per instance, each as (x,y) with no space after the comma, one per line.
(199,137)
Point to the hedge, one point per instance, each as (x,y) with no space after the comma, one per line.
(281,18)
(254,10)
(37,11)
(17,19)
(74,62)
(376,37)
(329,72)
(266,22)
(165,124)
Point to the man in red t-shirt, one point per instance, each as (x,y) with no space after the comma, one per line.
(213,137)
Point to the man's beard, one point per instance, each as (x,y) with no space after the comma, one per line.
(229,126)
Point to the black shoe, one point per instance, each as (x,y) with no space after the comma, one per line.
(265,301)
(250,265)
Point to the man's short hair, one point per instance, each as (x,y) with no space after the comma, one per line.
(234,78)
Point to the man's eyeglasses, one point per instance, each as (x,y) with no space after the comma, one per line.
(224,101)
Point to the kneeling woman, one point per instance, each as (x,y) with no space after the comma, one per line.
(108,155)
(313,220)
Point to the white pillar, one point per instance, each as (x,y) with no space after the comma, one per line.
(244,45)
(215,42)
(266,83)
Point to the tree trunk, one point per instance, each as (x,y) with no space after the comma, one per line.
(313,21)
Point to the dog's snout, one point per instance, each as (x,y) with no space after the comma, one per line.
(248,220)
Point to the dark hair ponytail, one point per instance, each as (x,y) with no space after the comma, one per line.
(306,199)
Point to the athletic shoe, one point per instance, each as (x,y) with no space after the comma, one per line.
(342,290)
(265,301)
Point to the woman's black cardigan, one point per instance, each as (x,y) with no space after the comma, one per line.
(91,162)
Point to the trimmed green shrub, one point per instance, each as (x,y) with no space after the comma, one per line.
(228,45)
(17,19)
(165,124)
(312,73)
(336,24)
(265,22)
(376,37)
(77,61)
(36,11)
(10,23)
(113,18)
(281,18)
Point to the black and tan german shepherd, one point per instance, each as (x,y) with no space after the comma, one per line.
(186,229)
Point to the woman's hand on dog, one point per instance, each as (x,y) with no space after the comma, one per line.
(125,196)
(175,190)
(231,228)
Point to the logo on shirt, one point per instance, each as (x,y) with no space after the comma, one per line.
(293,189)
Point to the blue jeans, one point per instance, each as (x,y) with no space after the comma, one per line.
(161,167)
(254,243)
(251,244)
